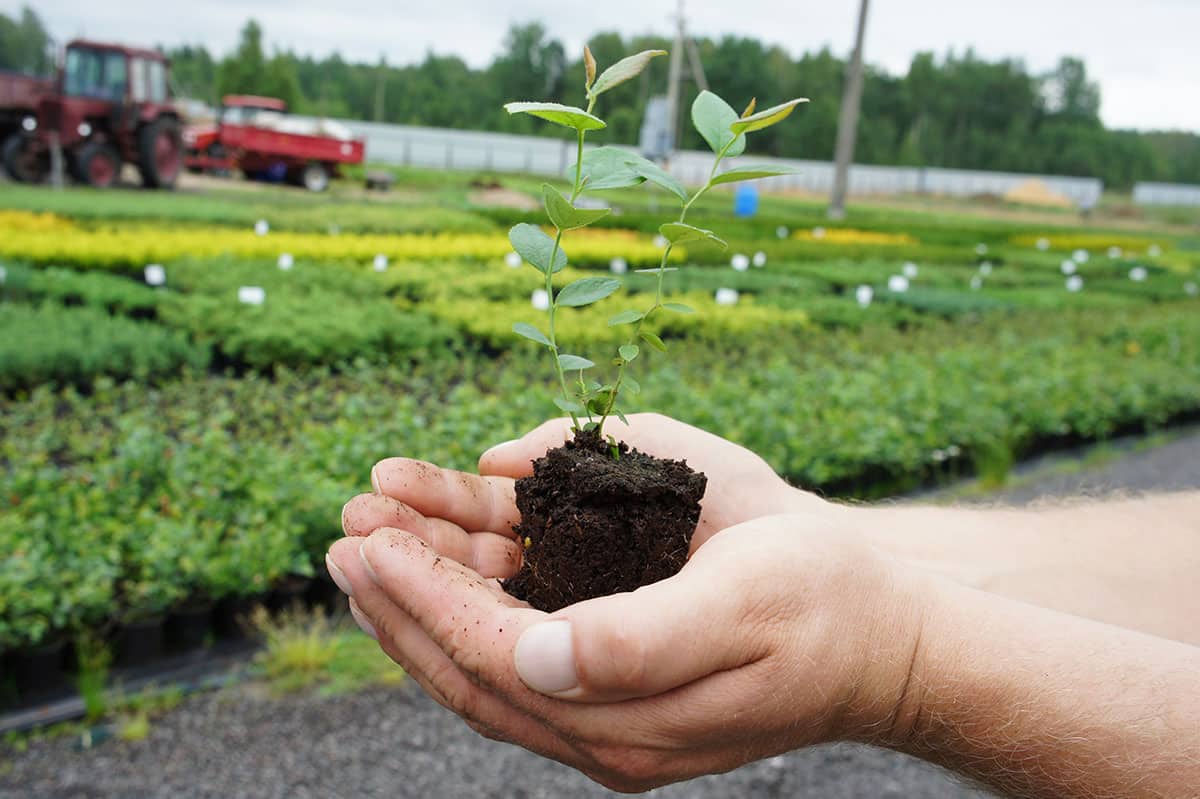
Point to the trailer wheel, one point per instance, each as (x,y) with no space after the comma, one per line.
(98,164)
(160,153)
(21,160)
(315,177)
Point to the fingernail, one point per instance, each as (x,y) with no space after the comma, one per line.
(362,622)
(339,577)
(344,530)
(496,449)
(545,658)
(362,555)
(375,480)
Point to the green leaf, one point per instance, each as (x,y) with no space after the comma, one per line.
(678,307)
(628,352)
(587,290)
(607,168)
(570,406)
(621,416)
(713,118)
(678,233)
(657,269)
(625,69)
(566,115)
(566,216)
(767,118)
(626,317)
(654,341)
(631,385)
(655,174)
(530,332)
(571,363)
(532,244)
(614,168)
(752,173)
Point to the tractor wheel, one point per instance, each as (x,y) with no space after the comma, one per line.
(315,177)
(98,164)
(160,153)
(22,161)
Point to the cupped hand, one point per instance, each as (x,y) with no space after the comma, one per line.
(779,632)
(469,517)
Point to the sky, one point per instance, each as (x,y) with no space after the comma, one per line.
(1145,54)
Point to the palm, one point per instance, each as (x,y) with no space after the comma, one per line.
(470,517)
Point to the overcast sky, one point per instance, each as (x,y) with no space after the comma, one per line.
(1144,53)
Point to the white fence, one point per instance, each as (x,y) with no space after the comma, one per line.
(1166,194)
(476,150)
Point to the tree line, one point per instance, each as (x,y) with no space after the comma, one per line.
(956,110)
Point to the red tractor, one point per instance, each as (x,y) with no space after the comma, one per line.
(109,105)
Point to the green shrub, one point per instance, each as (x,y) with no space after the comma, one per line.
(71,346)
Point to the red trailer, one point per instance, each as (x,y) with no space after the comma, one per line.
(108,105)
(255,135)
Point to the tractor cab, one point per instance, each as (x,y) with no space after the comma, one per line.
(111,106)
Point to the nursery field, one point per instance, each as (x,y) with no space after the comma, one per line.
(191,385)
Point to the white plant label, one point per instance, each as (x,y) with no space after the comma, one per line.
(739,262)
(381,262)
(252,295)
(155,275)
(727,297)
(863,295)
(261,228)
(286,261)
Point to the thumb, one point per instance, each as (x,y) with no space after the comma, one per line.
(638,644)
(515,458)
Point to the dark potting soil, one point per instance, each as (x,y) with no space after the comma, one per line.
(598,525)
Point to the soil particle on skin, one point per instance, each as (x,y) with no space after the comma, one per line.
(598,525)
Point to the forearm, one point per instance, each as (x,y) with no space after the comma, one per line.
(1037,703)
(1132,563)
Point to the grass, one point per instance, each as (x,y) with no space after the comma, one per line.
(305,649)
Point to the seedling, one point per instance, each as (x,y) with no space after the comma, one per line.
(598,517)
(614,168)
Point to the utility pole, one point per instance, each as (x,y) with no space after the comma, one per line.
(380,88)
(684,46)
(848,120)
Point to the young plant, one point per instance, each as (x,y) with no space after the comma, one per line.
(614,168)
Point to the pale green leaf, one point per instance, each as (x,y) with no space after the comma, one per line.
(655,174)
(752,173)
(657,269)
(566,216)
(532,244)
(625,69)
(565,115)
(570,406)
(712,118)
(678,233)
(628,352)
(530,332)
(678,307)
(767,118)
(571,363)
(631,385)
(625,318)
(654,341)
(587,290)
(607,168)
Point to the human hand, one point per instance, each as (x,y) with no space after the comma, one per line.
(778,633)
(469,517)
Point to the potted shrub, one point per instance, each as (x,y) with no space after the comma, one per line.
(596,516)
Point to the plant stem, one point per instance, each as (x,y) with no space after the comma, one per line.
(575,190)
(658,290)
(562,378)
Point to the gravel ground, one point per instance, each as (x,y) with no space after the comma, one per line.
(396,743)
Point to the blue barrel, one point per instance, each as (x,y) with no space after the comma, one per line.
(745,200)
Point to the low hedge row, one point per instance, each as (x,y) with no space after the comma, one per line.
(134,498)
